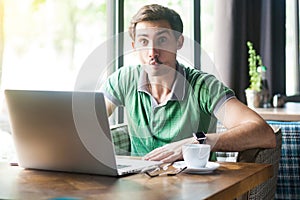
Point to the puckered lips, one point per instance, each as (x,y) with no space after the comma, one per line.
(155,61)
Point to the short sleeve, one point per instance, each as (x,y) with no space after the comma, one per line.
(121,84)
(215,93)
(112,88)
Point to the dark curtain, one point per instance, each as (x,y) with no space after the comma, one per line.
(263,23)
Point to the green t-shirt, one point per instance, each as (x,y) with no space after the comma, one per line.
(195,97)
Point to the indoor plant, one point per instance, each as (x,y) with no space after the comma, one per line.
(254,89)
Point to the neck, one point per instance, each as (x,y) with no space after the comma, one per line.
(160,87)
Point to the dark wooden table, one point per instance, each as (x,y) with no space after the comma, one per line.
(230,180)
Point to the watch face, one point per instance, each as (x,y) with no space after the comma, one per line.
(200,136)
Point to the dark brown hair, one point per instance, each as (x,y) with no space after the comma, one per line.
(155,12)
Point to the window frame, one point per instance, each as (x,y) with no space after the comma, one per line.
(292,48)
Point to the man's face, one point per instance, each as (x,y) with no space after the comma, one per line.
(156,46)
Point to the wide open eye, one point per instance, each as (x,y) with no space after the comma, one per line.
(143,42)
(162,41)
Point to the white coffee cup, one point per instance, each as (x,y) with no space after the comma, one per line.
(196,155)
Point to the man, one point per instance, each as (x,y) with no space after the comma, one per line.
(166,102)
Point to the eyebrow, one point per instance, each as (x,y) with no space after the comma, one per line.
(158,33)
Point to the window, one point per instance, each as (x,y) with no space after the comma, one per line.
(292,48)
(46,41)
(207,26)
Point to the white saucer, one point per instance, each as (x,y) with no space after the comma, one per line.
(209,168)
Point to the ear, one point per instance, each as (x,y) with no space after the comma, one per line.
(180,41)
(132,44)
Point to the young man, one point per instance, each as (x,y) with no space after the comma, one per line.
(166,102)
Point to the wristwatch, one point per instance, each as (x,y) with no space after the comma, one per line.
(200,137)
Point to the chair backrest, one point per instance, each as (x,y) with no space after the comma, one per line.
(121,139)
(272,156)
(288,186)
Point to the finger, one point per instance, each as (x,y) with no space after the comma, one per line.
(171,158)
(159,155)
(154,153)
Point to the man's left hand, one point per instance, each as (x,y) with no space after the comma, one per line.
(169,152)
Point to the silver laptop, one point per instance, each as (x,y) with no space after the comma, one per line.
(66,131)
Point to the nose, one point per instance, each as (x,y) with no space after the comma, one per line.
(153,52)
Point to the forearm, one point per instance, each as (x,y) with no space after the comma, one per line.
(248,135)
